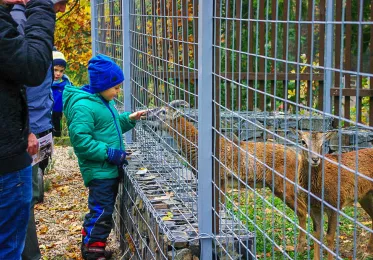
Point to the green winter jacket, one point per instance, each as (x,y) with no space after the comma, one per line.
(94,126)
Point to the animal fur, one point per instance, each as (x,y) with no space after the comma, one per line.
(244,164)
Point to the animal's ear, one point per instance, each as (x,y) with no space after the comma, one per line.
(296,132)
(329,135)
(178,103)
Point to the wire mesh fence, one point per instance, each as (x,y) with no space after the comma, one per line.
(258,139)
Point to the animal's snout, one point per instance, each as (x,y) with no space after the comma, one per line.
(315,160)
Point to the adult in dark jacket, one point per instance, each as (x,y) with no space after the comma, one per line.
(24,60)
(40,102)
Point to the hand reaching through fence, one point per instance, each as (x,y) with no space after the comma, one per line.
(138,114)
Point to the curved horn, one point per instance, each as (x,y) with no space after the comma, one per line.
(178,103)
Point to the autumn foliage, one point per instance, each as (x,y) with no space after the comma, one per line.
(73,39)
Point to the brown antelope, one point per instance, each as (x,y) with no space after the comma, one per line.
(326,178)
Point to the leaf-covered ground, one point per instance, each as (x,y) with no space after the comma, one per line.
(59,219)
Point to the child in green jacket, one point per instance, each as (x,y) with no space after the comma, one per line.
(95,130)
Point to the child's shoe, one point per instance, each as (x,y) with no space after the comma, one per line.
(95,253)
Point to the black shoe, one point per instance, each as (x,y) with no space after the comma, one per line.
(108,254)
(95,253)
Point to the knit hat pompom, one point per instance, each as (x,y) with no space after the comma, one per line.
(59,59)
(103,73)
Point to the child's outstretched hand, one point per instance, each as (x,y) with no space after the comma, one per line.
(137,115)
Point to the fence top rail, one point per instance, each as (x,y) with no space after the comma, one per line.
(191,75)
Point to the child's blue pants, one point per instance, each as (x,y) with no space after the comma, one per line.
(99,222)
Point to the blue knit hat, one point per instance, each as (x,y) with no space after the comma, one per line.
(103,73)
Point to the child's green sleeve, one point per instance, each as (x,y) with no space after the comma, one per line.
(80,129)
(125,122)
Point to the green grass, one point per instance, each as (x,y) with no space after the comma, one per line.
(50,166)
(47,185)
(273,222)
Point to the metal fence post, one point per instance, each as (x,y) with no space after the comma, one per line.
(205,61)
(93,27)
(126,61)
(329,41)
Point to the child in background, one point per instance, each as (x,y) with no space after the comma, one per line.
(58,86)
(95,130)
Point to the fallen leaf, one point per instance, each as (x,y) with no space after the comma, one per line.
(51,246)
(64,189)
(169,216)
(43,229)
(287,248)
(40,207)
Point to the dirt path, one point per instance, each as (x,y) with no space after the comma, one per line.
(59,218)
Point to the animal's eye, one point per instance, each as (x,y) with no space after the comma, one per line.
(163,112)
(304,143)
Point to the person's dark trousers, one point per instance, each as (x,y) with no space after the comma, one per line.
(31,250)
(56,121)
(99,222)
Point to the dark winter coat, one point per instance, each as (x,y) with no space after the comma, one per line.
(24,60)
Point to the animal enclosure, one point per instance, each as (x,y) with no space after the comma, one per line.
(258,139)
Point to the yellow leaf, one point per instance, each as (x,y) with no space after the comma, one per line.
(39,206)
(63,189)
(43,229)
(291,93)
(169,216)
(75,229)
